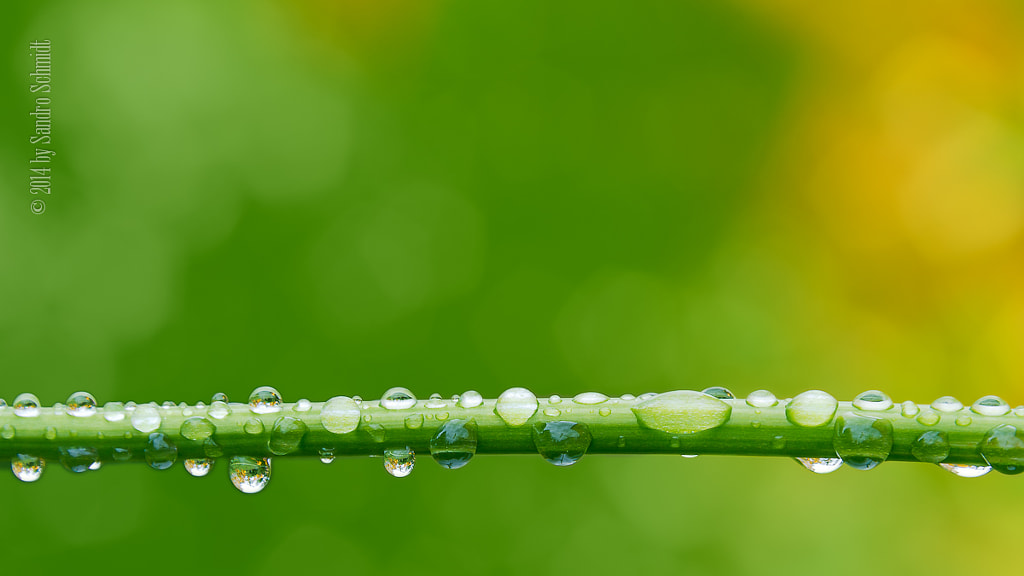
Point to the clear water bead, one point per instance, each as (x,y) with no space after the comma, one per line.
(219,410)
(220,397)
(303,405)
(719,392)
(399,462)
(991,406)
(931,446)
(326,455)
(589,398)
(161,452)
(821,465)
(113,412)
(872,400)
(196,428)
(966,470)
(397,398)
(198,467)
(682,412)
(762,399)
(516,406)
(863,442)
(561,442)
(81,404)
(1003,449)
(286,435)
(249,474)
(26,405)
(340,415)
(146,418)
(454,444)
(470,399)
(27,468)
(265,400)
(812,409)
(947,404)
(7,432)
(79,459)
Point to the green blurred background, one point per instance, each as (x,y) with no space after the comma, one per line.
(340,197)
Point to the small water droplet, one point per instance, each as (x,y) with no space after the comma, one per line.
(1003,449)
(79,459)
(552,412)
(122,454)
(673,442)
(81,404)
(812,409)
(146,418)
(966,470)
(286,435)
(27,468)
(872,400)
(621,442)
(964,420)
(369,418)
(212,449)
(630,397)
(265,400)
(326,454)
(682,412)
(167,405)
(160,452)
(928,418)
(187,411)
(719,392)
(253,426)
(516,406)
(689,456)
(303,405)
(248,474)
(863,442)
(397,398)
(376,432)
(561,442)
(471,399)
(198,467)
(50,433)
(778,442)
(909,409)
(399,462)
(454,444)
(762,399)
(947,404)
(605,411)
(554,399)
(220,397)
(26,405)
(821,465)
(414,421)
(990,406)
(219,410)
(197,428)
(590,398)
(931,446)
(7,432)
(340,415)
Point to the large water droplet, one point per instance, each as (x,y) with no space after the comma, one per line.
(1003,449)
(821,465)
(516,406)
(399,462)
(990,406)
(198,467)
(248,474)
(762,399)
(161,453)
(146,418)
(81,404)
(947,404)
(561,442)
(79,459)
(966,470)
(265,400)
(286,435)
(397,398)
(863,442)
(931,446)
(811,409)
(588,398)
(340,415)
(454,444)
(197,428)
(717,391)
(219,410)
(26,405)
(682,412)
(27,468)
(872,400)
(471,399)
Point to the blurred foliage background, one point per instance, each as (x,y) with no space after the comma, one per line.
(340,197)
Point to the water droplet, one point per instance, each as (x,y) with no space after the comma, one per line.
(26,405)
(219,410)
(399,462)
(326,455)
(167,405)
(50,433)
(265,400)
(79,459)
(552,412)
(248,474)
(990,406)
(303,405)
(435,401)
(146,418)
(561,442)
(909,409)
(212,449)
(27,468)
(1003,449)
(7,432)
(947,404)
(187,411)
(122,454)
(340,415)
(966,470)
(673,442)
(397,398)
(812,409)
(589,398)
(414,421)
(964,420)
(376,432)
(369,418)
(630,397)
(717,391)
(863,442)
(197,428)
(821,465)
(778,442)
(454,444)
(554,399)
(516,406)
(219,397)
(605,411)
(928,418)
(286,435)
(81,404)
(682,412)
(689,456)
(198,467)
(762,399)
(931,446)
(471,399)
(621,442)
(872,400)
(160,452)
(253,426)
